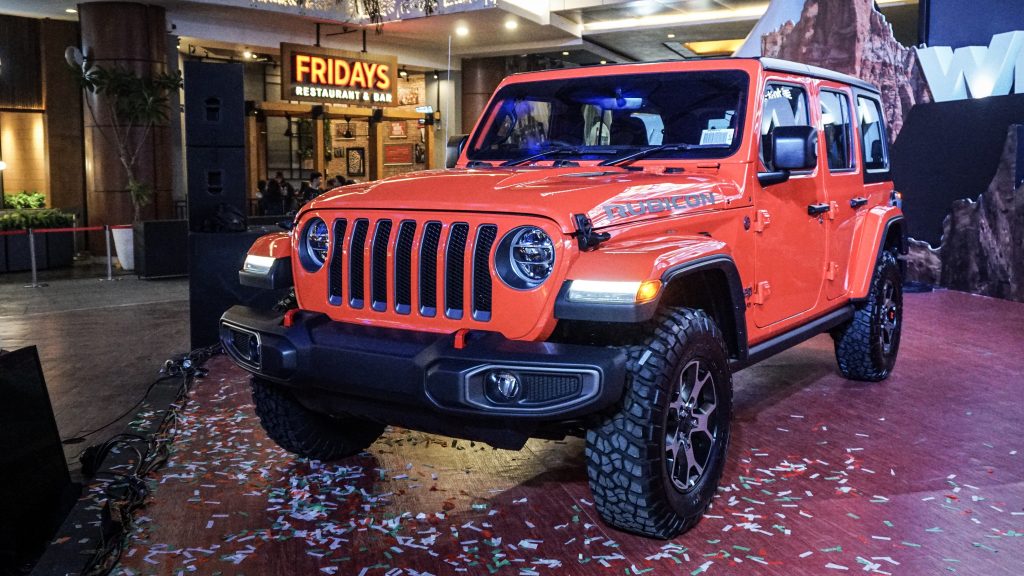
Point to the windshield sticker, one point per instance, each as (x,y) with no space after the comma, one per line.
(655,205)
(720,136)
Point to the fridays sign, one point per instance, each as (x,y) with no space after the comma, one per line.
(325,76)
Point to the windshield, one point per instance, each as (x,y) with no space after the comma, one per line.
(605,116)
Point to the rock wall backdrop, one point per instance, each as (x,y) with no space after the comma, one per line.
(982,244)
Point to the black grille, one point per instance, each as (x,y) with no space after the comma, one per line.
(336,278)
(379,285)
(455,270)
(246,345)
(428,268)
(356,268)
(485,236)
(541,388)
(403,267)
(380,261)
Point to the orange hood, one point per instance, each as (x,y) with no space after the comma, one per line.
(609,196)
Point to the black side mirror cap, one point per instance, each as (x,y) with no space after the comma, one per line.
(771,178)
(794,147)
(454,150)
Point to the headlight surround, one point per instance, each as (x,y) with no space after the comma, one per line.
(525,257)
(314,244)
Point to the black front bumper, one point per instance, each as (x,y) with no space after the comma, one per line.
(421,380)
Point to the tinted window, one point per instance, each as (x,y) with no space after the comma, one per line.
(784,105)
(872,130)
(835,119)
(604,116)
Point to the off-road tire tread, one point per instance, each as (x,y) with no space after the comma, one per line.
(306,433)
(623,456)
(854,340)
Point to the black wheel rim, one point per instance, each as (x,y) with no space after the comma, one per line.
(691,426)
(889,318)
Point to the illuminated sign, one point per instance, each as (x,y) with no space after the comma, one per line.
(985,71)
(327,76)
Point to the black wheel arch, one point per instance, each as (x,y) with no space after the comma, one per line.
(711,284)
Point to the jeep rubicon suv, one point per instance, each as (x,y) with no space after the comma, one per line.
(611,245)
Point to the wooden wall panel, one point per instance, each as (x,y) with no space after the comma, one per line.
(20,88)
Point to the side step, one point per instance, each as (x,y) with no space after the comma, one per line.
(782,342)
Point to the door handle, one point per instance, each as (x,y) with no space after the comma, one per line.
(815,209)
(858,202)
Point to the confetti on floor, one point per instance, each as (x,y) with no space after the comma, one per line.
(815,499)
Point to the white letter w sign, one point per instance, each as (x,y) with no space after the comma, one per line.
(983,71)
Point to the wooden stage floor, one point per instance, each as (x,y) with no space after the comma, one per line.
(921,474)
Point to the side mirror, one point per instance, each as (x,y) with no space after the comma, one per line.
(454,150)
(794,147)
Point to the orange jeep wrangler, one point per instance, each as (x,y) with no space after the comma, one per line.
(611,245)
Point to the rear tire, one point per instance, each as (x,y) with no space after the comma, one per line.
(654,466)
(867,345)
(309,434)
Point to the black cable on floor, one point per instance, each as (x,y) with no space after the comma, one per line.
(128,492)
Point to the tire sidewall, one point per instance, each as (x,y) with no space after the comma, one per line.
(704,347)
(888,269)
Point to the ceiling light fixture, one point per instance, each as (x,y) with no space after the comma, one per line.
(511,24)
(714,47)
(247,54)
(348,128)
(565,53)
(71,11)
(403,72)
(604,61)
(670,35)
(435,75)
(701,17)
(462,30)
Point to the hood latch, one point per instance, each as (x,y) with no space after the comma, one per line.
(585,235)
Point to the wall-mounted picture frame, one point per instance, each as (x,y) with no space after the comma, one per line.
(339,152)
(355,161)
(398,129)
(398,154)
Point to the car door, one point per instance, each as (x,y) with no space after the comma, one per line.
(790,243)
(844,184)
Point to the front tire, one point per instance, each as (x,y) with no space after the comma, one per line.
(654,466)
(309,434)
(867,345)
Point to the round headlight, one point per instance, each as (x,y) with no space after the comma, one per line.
(314,243)
(525,257)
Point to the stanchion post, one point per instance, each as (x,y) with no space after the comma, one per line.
(110,263)
(32,256)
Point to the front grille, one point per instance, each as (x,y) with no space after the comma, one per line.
(393,258)
(541,388)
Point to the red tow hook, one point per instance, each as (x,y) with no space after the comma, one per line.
(460,338)
(289,318)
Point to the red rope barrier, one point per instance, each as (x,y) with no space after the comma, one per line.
(56,230)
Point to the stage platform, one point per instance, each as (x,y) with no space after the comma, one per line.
(921,474)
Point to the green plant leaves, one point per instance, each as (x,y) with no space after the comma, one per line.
(25,219)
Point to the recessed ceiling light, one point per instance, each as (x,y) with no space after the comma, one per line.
(715,47)
(670,35)
(511,24)
(71,11)
(565,53)
(604,61)
(462,30)
(247,54)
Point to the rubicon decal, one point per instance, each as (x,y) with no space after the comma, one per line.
(653,205)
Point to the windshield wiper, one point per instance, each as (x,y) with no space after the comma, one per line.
(644,152)
(559,150)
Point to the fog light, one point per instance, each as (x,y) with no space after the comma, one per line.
(503,386)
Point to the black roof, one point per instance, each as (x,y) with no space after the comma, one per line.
(776,65)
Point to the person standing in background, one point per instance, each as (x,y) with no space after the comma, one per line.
(311,188)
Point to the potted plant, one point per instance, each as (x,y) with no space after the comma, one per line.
(133,105)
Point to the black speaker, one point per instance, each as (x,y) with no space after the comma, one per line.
(214,262)
(215,176)
(161,251)
(215,110)
(378,115)
(214,104)
(34,479)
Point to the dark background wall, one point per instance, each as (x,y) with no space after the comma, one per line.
(20,67)
(959,23)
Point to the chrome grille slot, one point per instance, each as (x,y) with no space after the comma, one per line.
(356,270)
(428,268)
(455,270)
(335,281)
(379,262)
(403,267)
(485,236)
